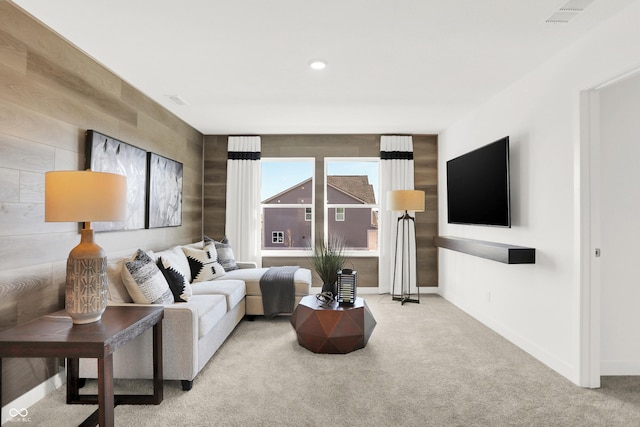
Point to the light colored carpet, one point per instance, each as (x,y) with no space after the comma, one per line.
(426,364)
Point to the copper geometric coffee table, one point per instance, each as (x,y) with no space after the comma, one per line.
(332,329)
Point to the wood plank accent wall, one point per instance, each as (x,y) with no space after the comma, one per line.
(425,157)
(319,147)
(50,94)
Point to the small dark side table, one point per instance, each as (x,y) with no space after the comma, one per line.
(333,329)
(54,335)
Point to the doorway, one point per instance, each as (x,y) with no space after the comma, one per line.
(610,169)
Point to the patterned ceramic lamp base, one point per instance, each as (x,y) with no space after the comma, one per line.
(86,291)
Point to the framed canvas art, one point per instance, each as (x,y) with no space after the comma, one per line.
(164,194)
(107,154)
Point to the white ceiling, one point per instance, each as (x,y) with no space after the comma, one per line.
(406,66)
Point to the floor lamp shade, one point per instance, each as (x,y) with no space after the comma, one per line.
(85,196)
(405,267)
(406,200)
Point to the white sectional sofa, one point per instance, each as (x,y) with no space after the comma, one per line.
(192,330)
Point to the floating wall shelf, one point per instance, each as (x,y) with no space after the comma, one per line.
(509,254)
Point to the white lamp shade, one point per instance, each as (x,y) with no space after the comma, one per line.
(406,200)
(84,196)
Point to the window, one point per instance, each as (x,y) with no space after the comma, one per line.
(277,237)
(287,195)
(351,194)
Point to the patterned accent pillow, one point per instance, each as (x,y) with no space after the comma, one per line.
(144,281)
(226,258)
(178,260)
(180,287)
(203,262)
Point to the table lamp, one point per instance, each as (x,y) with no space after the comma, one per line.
(85,196)
(405,200)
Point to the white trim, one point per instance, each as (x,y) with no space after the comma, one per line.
(34,395)
(588,234)
(620,367)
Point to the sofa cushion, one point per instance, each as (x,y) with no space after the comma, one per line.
(117,290)
(233,290)
(177,259)
(251,277)
(203,263)
(144,281)
(180,288)
(211,309)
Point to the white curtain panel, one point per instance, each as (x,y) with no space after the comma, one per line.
(396,173)
(243,197)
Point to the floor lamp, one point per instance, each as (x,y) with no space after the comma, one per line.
(85,196)
(405,200)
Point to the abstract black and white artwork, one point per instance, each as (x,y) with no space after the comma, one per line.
(107,154)
(164,206)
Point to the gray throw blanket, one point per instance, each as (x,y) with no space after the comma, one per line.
(278,290)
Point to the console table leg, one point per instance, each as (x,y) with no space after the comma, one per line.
(157,364)
(105,391)
(0,385)
(73,369)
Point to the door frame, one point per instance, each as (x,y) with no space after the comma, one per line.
(589,230)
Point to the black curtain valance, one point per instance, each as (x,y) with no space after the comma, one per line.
(396,155)
(243,155)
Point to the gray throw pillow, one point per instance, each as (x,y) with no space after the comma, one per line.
(226,258)
(145,281)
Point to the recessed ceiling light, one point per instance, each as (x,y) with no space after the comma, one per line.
(318,64)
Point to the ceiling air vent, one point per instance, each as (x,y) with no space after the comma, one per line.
(568,11)
(177,99)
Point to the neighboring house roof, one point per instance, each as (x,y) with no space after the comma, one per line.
(354,185)
(277,196)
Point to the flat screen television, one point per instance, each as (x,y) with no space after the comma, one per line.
(478,186)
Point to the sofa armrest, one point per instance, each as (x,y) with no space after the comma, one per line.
(246,264)
(179,345)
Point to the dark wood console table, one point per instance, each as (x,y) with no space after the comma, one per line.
(55,335)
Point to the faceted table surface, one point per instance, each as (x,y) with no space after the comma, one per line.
(334,328)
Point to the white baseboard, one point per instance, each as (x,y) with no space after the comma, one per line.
(619,367)
(17,410)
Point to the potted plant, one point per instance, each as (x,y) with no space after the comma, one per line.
(327,259)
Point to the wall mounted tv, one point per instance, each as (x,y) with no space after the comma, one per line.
(478,186)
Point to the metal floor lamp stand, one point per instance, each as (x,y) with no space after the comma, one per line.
(406,255)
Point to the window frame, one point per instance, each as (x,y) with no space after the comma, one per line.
(327,206)
(311,204)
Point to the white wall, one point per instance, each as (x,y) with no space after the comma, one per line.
(620,227)
(536,306)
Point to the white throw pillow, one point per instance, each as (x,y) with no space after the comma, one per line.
(204,263)
(145,281)
(117,289)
